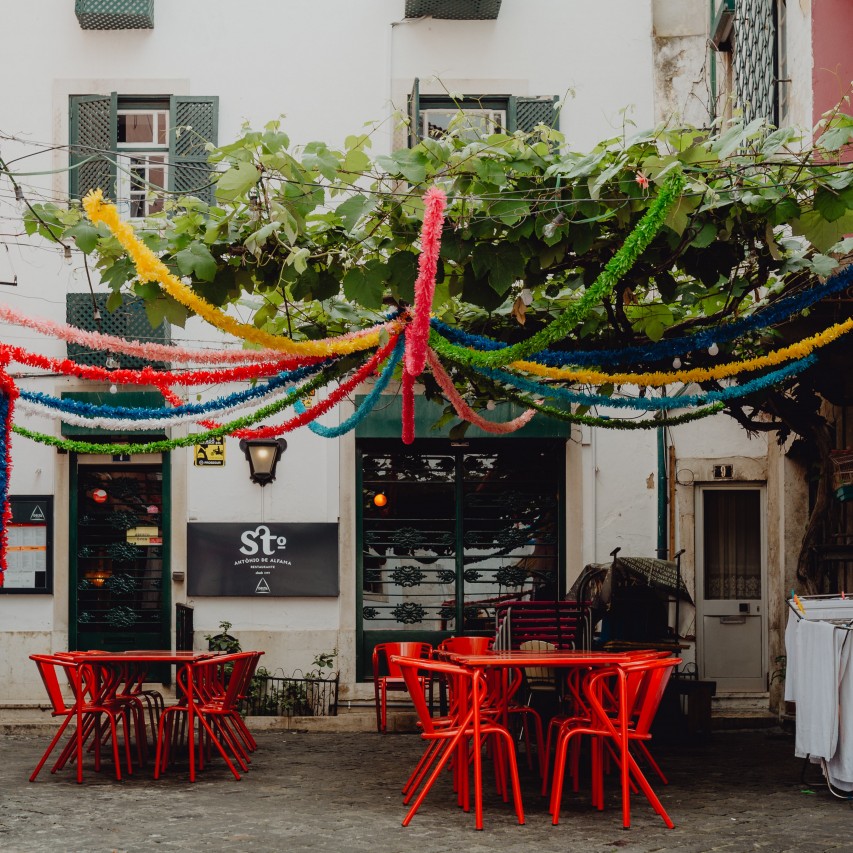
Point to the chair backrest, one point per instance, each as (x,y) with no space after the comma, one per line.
(645,682)
(557,622)
(656,675)
(458,680)
(539,677)
(467,645)
(48,667)
(383,667)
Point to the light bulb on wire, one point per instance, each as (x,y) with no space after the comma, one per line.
(713,349)
(113,388)
(66,253)
(550,229)
(676,363)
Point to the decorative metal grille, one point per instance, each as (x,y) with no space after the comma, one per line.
(115,14)
(119,583)
(459,10)
(129,321)
(531,112)
(459,531)
(194,122)
(94,126)
(755,59)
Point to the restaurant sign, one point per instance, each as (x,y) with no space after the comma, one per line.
(265,559)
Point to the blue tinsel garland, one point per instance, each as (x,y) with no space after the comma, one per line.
(76,407)
(665,349)
(367,404)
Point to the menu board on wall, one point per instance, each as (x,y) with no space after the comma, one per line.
(29,551)
(261,560)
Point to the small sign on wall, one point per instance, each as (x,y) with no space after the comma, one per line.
(262,559)
(29,550)
(210,453)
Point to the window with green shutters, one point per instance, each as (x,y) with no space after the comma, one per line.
(433,115)
(89,312)
(106,153)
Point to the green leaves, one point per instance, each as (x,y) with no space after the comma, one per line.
(237,181)
(197,261)
(501,264)
(366,285)
(410,163)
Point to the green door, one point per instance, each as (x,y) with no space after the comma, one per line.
(446,530)
(119,544)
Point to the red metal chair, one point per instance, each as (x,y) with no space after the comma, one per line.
(640,684)
(211,701)
(470,645)
(87,710)
(458,737)
(388,678)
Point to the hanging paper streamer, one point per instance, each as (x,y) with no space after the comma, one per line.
(770,315)
(139,418)
(697,374)
(150,268)
(367,404)
(659,420)
(464,410)
(417,332)
(625,258)
(150,376)
(682,401)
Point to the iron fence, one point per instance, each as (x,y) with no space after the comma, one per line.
(291,696)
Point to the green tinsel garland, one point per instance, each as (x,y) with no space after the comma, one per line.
(635,244)
(617,423)
(167,444)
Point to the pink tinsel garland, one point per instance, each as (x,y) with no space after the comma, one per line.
(151,351)
(417,333)
(464,410)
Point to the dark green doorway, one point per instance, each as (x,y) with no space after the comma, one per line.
(456,528)
(119,546)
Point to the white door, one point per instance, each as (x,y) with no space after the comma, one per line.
(730,583)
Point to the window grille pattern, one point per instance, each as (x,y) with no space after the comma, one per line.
(128,321)
(115,14)
(755,59)
(459,10)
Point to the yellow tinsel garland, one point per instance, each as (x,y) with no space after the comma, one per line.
(150,268)
(696,374)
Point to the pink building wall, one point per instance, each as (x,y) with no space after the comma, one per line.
(832,40)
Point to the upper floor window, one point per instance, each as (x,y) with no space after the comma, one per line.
(142,158)
(135,148)
(475,116)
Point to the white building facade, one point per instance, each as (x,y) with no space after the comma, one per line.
(330,66)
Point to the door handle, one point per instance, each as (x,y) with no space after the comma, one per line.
(732,620)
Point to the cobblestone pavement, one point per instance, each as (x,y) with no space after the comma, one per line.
(340,792)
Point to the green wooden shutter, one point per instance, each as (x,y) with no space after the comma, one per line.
(526,113)
(93,132)
(128,321)
(190,172)
(415,114)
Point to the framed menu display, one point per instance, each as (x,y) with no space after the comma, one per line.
(29,551)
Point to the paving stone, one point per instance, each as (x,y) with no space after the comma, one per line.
(325,792)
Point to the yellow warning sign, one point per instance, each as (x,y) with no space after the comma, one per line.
(210,452)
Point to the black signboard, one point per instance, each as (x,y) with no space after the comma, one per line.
(29,549)
(262,559)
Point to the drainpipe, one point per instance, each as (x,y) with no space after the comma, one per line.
(663,544)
